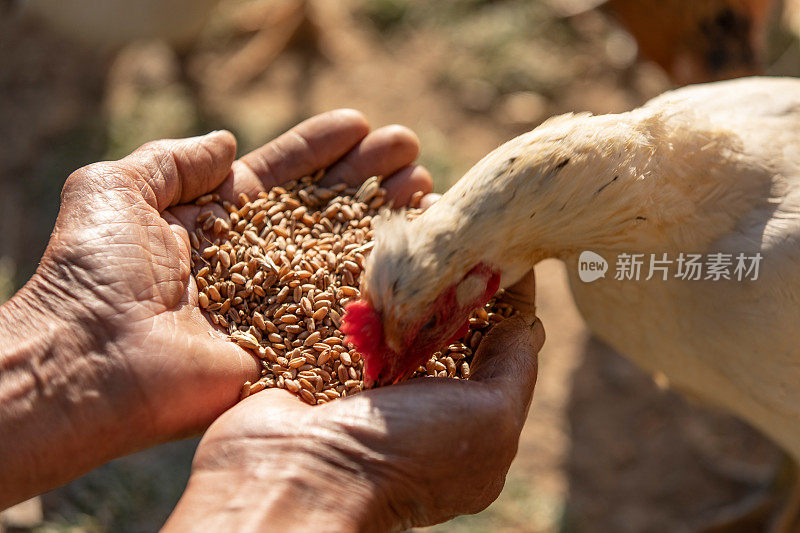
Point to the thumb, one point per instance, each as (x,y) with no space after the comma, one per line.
(177,171)
(522,296)
(508,358)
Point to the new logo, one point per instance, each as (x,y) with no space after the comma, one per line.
(591,266)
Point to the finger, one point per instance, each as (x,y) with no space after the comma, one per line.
(311,145)
(507,358)
(522,296)
(429,199)
(176,171)
(381,153)
(401,185)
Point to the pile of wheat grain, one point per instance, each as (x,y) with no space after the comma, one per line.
(277,271)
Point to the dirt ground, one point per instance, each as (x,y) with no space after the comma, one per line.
(604,449)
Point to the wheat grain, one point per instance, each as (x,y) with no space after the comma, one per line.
(277,272)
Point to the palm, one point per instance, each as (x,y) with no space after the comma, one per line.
(433,448)
(128,249)
(419,430)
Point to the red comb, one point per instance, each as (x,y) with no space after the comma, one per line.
(363,328)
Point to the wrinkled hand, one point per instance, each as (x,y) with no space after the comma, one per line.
(407,455)
(125,357)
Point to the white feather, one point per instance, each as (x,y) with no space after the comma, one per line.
(714,167)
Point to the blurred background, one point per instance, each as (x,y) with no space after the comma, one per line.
(605,448)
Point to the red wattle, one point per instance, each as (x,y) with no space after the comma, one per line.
(491,287)
(363,328)
(460,333)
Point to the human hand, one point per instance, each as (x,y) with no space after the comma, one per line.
(412,454)
(108,351)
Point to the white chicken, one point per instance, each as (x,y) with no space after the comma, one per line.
(703,169)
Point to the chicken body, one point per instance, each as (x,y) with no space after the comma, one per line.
(707,168)
(732,343)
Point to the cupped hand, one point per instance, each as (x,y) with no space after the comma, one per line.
(406,455)
(127,358)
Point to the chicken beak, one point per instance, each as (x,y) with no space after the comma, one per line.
(392,339)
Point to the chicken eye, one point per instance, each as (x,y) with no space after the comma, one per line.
(431,323)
